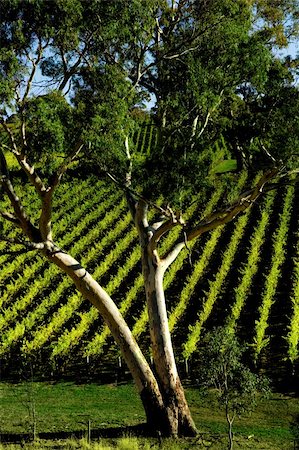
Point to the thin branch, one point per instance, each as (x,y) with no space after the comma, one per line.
(182,53)
(68,73)
(35,63)
(22,160)
(129,170)
(44,193)
(209,114)
(222,217)
(33,177)
(29,229)
(10,135)
(28,245)
(267,152)
(11,218)
(47,196)
(175,220)
(200,33)
(63,59)
(66,163)
(164,228)
(133,193)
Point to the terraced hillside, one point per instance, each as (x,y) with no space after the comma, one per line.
(244,276)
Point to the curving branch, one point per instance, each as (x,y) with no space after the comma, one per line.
(33,177)
(226,215)
(174,221)
(65,165)
(29,246)
(244,201)
(70,71)
(47,195)
(133,195)
(20,217)
(34,63)
(11,218)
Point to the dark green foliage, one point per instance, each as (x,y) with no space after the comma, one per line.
(234,381)
(192,90)
(50,129)
(262,122)
(102,100)
(208,63)
(237,387)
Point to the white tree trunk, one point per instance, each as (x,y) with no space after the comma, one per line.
(162,395)
(173,395)
(157,413)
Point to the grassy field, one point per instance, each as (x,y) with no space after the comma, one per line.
(63,410)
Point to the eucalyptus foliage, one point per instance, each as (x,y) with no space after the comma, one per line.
(77,71)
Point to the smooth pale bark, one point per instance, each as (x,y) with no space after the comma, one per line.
(157,413)
(230,428)
(180,419)
(181,422)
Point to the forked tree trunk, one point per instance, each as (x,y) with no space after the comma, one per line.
(162,407)
(230,421)
(153,269)
(180,419)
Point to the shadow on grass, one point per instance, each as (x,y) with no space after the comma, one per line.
(112,432)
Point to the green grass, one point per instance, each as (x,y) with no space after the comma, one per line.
(228,165)
(124,443)
(69,407)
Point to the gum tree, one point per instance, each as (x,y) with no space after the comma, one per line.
(96,65)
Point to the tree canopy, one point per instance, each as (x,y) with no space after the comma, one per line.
(209,64)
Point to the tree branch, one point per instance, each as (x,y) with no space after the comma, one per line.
(182,53)
(64,166)
(47,196)
(45,225)
(192,38)
(172,255)
(11,218)
(35,63)
(209,115)
(34,179)
(175,220)
(141,222)
(69,72)
(129,191)
(24,222)
(228,214)
(28,245)
(129,170)
(267,152)
(224,216)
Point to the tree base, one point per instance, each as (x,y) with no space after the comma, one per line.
(170,418)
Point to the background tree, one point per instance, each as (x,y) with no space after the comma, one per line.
(238,389)
(261,122)
(104,63)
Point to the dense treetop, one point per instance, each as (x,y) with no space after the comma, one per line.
(75,71)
